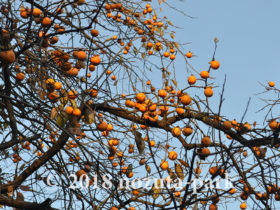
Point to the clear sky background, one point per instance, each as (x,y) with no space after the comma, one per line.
(248,48)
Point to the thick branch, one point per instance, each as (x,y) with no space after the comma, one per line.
(23,204)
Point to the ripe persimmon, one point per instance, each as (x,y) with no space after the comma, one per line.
(213,170)
(76,112)
(172,155)
(227,125)
(73,72)
(204,74)
(140,97)
(214,64)
(152,143)
(164,165)
(180,110)
(149,44)
(94,32)
(189,54)
(166,54)
(185,99)
(113,77)
(273,124)
(95,60)
(206,141)
(81,55)
(232,191)
(176,131)
(57,85)
(192,80)
(102,126)
(205,152)
(208,92)
(187,131)
(36,12)
(213,207)
(20,76)
(46,21)
(81,173)
(69,110)
(162,93)
(243,205)
(172,56)
(91,67)
(271,84)
(80,2)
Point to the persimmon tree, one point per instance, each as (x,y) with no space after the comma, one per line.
(88,92)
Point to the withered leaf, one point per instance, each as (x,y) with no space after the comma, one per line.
(89,116)
(63,96)
(139,141)
(54,113)
(179,171)
(42,94)
(148,168)
(184,163)
(62,118)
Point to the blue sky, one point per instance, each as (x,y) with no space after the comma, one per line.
(248,48)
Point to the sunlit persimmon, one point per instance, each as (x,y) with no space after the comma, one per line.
(81,55)
(46,21)
(102,126)
(162,93)
(213,170)
(95,60)
(189,54)
(69,110)
(271,84)
(204,74)
(76,112)
(185,99)
(180,110)
(164,165)
(166,54)
(192,80)
(232,191)
(140,97)
(94,32)
(152,143)
(176,131)
(208,92)
(273,124)
(172,155)
(36,12)
(243,205)
(206,141)
(214,64)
